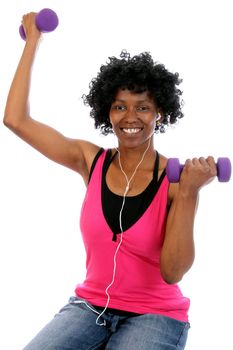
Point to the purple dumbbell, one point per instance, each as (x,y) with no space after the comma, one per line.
(46,21)
(174,169)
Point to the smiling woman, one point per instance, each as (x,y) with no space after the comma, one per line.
(137,228)
(137,74)
(133,117)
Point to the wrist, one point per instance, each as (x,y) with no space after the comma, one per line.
(188,192)
(33,39)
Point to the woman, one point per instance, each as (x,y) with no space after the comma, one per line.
(137,228)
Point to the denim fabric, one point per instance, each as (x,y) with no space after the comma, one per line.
(75,328)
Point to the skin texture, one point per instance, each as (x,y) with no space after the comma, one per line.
(128,111)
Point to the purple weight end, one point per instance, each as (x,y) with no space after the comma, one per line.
(224,169)
(173,170)
(46,20)
(22,32)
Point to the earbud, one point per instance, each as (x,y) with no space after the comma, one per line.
(158,117)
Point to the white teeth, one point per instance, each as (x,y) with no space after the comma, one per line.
(131,131)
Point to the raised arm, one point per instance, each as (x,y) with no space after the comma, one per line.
(178,251)
(74,154)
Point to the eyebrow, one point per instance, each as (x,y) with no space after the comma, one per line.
(139,101)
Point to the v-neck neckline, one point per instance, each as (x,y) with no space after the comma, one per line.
(155,181)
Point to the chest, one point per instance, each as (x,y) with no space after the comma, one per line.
(117,180)
(143,214)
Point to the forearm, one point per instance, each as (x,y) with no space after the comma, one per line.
(17,106)
(178,249)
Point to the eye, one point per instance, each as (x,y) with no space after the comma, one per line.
(119,107)
(143,108)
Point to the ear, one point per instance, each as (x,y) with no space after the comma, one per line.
(159,116)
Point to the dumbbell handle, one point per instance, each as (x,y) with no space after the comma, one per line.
(174,169)
(46,21)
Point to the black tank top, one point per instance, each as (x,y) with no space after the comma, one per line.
(134,207)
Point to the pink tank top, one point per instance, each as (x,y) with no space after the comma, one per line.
(138,286)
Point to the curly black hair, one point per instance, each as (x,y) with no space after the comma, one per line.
(138,74)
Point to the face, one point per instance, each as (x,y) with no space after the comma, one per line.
(133,117)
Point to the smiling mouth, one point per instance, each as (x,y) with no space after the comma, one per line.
(131,130)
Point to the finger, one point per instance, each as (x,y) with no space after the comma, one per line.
(29,16)
(202,160)
(195,161)
(210,160)
(188,163)
(205,165)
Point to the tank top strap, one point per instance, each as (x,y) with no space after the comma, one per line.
(156,168)
(94,162)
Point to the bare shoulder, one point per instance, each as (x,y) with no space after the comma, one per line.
(88,150)
(162,162)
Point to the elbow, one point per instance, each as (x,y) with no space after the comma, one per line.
(173,274)
(171,277)
(173,270)
(7,121)
(10,123)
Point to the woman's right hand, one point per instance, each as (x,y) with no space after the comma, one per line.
(75,154)
(29,25)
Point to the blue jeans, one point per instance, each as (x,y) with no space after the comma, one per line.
(75,328)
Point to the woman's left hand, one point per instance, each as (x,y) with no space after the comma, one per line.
(197,173)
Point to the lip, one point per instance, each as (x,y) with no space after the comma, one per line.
(131,130)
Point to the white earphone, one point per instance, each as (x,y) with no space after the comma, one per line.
(120,223)
(128,181)
(158,117)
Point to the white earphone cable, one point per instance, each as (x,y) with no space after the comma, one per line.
(121,228)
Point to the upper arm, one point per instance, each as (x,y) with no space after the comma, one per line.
(74,154)
(172,192)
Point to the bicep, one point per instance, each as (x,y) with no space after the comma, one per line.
(71,153)
(182,211)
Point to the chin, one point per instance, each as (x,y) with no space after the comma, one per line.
(133,143)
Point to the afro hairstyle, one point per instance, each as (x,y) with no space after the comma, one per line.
(138,73)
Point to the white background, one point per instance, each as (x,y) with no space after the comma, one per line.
(41,252)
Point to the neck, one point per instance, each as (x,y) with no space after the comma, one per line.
(130,156)
(124,171)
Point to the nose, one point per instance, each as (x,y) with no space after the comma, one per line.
(131,114)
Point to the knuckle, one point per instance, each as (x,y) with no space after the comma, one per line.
(206,169)
(210,158)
